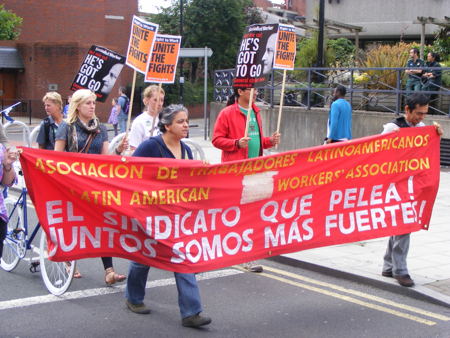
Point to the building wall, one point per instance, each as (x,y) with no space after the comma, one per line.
(383,18)
(55,37)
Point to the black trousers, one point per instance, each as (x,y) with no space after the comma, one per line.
(3,230)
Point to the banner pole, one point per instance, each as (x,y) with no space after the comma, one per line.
(281,101)
(131,103)
(247,122)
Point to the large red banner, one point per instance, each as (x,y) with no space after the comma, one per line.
(190,217)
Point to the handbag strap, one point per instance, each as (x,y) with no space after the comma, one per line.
(87,145)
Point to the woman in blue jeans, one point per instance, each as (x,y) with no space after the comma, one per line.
(174,125)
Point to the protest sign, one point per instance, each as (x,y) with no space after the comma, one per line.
(186,216)
(140,45)
(256,56)
(99,71)
(286,47)
(163,63)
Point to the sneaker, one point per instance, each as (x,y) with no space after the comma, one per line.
(138,308)
(404,280)
(252,267)
(195,321)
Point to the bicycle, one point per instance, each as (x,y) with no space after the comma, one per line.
(57,276)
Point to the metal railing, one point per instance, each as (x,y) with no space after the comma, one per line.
(371,89)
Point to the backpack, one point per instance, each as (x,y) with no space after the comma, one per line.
(47,130)
(126,105)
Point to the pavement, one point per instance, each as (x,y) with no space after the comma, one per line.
(428,258)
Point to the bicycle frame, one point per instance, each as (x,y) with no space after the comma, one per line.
(22,202)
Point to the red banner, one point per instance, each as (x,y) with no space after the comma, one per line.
(186,216)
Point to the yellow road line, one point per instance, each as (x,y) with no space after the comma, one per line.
(352,300)
(359,294)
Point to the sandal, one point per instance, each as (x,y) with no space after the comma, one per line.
(111,277)
(76,274)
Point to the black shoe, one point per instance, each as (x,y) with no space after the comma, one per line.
(138,308)
(404,280)
(387,274)
(195,321)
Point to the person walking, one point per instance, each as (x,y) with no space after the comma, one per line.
(229,131)
(53,106)
(7,179)
(174,125)
(145,125)
(394,265)
(339,126)
(122,107)
(83,133)
(113,116)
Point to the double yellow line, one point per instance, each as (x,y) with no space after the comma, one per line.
(314,287)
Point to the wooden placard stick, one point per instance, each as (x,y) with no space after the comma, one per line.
(248,111)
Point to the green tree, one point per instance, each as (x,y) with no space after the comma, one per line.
(9,24)
(218,24)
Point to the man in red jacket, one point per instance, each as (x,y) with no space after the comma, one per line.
(229,132)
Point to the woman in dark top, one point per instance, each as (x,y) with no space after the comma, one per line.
(83,133)
(174,125)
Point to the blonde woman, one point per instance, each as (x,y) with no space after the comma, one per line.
(83,133)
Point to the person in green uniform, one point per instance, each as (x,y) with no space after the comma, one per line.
(415,69)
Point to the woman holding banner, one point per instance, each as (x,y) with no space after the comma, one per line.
(83,133)
(229,135)
(174,126)
(7,178)
(145,125)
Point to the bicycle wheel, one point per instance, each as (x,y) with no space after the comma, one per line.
(57,276)
(14,246)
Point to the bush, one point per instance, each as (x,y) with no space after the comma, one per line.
(343,50)
(386,56)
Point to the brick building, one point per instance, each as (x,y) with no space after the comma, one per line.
(54,39)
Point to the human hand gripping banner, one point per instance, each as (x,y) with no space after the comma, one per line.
(186,216)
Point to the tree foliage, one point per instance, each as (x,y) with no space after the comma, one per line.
(9,24)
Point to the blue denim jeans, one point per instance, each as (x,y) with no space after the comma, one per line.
(122,120)
(188,292)
(396,253)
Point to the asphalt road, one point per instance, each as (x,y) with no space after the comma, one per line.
(284,301)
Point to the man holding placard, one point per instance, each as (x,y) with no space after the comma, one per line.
(238,129)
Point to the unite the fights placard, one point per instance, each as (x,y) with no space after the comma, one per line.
(142,37)
(286,48)
(256,55)
(163,63)
(99,71)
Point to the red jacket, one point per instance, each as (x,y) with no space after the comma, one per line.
(229,127)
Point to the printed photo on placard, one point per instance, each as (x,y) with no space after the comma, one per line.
(140,45)
(99,71)
(286,48)
(256,55)
(163,63)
